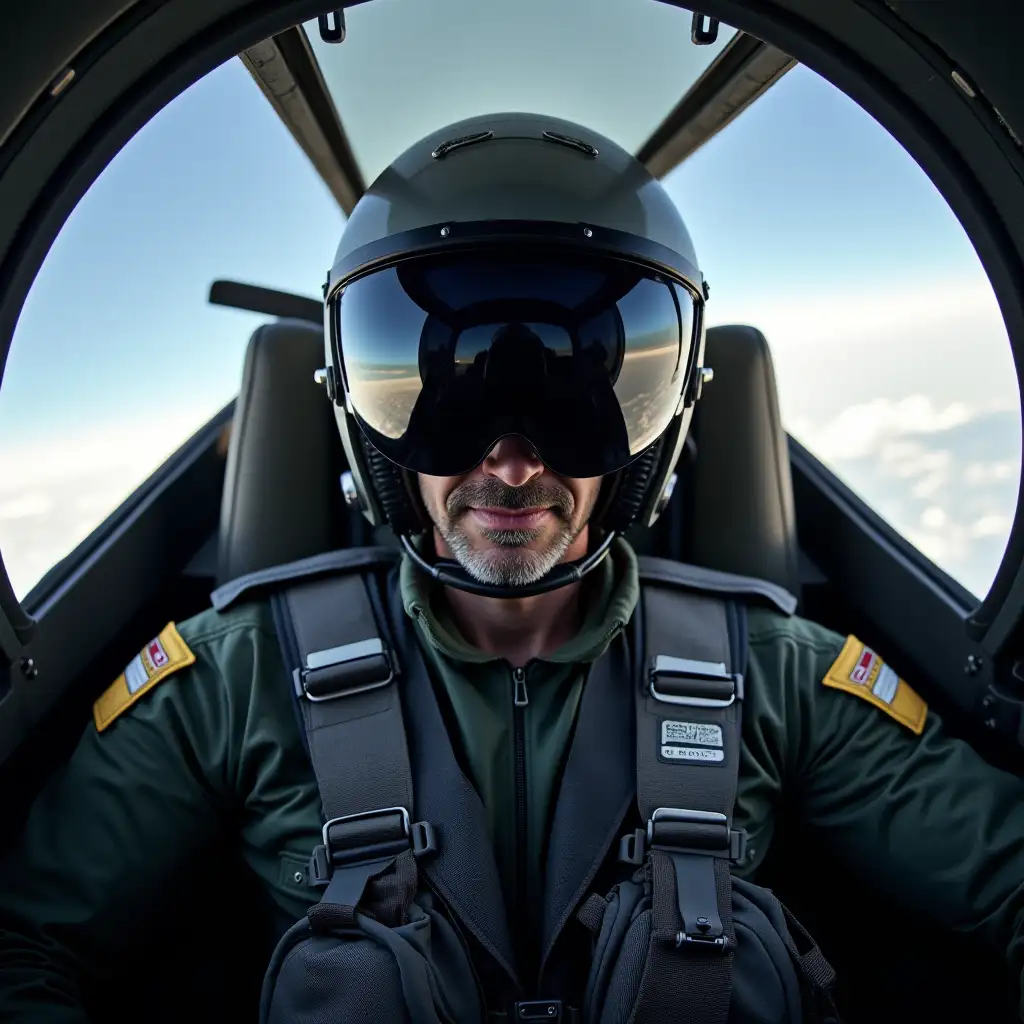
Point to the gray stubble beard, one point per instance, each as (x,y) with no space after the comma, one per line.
(508,564)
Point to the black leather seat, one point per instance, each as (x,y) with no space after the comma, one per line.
(282,500)
(741,516)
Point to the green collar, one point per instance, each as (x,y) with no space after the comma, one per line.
(610,595)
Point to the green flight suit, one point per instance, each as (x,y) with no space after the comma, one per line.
(218,744)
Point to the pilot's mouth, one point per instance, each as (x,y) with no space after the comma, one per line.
(497,518)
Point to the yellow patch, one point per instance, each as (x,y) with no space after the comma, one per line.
(860,671)
(155,662)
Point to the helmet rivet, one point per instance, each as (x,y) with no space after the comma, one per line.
(587,233)
(445,232)
(325,378)
(350,492)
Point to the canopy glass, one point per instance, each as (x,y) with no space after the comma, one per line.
(407,68)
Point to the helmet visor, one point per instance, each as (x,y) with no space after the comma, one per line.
(584,357)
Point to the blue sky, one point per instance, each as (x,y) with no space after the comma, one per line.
(807,185)
(809,220)
(117,321)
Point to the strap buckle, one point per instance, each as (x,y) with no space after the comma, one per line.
(368,837)
(344,671)
(694,840)
(700,684)
(633,846)
(692,831)
(538,1010)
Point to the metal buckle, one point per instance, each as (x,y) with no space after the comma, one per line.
(634,845)
(702,671)
(539,1009)
(418,836)
(331,854)
(365,816)
(686,816)
(694,867)
(720,943)
(347,654)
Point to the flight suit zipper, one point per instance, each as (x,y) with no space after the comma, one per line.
(520,700)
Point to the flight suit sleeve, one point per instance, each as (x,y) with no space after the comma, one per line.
(113,833)
(915,811)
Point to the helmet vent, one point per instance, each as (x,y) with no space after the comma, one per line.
(464,140)
(568,140)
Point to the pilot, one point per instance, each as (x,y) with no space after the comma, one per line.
(498,274)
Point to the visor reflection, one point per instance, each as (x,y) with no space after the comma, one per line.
(587,361)
(381,327)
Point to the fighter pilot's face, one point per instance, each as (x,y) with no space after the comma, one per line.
(510,520)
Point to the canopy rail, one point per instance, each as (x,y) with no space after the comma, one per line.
(745,70)
(288,74)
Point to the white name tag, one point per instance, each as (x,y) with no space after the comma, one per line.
(702,733)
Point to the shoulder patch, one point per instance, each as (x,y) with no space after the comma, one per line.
(161,657)
(860,671)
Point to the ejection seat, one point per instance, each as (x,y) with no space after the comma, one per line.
(733,509)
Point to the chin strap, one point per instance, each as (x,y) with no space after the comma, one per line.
(451,574)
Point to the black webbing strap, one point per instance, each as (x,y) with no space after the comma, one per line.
(688,749)
(464,872)
(817,976)
(598,789)
(344,680)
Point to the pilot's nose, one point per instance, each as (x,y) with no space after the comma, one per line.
(513,461)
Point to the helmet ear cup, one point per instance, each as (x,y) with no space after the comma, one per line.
(402,508)
(629,492)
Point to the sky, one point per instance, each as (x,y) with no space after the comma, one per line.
(617,66)
(809,220)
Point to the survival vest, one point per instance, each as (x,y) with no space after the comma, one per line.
(411,925)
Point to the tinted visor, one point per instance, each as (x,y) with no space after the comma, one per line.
(586,358)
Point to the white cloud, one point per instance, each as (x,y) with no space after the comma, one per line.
(980,473)
(32,504)
(838,350)
(860,429)
(848,314)
(991,526)
(53,494)
(96,450)
(909,393)
(923,468)
(934,518)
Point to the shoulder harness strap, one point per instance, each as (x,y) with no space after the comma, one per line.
(688,718)
(352,665)
(674,751)
(710,581)
(262,581)
(344,676)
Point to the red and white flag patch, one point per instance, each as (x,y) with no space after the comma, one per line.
(861,671)
(158,657)
(161,657)
(865,663)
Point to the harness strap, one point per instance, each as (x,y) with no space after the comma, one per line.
(817,976)
(687,707)
(688,703)
(344,678)
(464,872)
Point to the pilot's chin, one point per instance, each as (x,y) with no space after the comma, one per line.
(509,566)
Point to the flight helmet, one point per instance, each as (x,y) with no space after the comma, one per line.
(514,274)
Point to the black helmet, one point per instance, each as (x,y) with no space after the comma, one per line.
(514,274)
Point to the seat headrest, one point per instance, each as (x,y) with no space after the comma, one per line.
(740,509)
(282,500)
